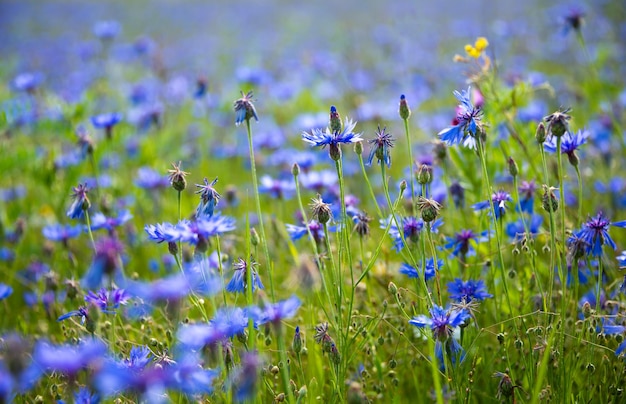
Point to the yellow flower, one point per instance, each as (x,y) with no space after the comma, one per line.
(481,43)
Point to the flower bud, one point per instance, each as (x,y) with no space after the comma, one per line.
(403,185)
(320,210)
(358,148)
(334,152)
(429,209)
(335,120)
(540,134)
(297,341)
(392,288)
(172,247)
(424,174)
(573,158)
(513,169)
(255,240)
(295,169)
(404,110)
(548,200)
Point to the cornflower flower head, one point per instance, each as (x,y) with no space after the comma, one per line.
(380,147)
(147,178)
(411,229)
(274,313)
(106,262)
(62,233)
(5,291)
(569,144)
(323,338)
(361,221)
(244,380)
(558,122)
(106,122)
(209,198)
(429,273)
(462,243)
(499,199)
(468,291)
(82,312)
(177,176)
(517,231)
(107,300)
(468,122)
(106,30)
(244,108)
(100,221)
(238,282)
(69,359)
(277,188)
(595,234)
(333,138)
(297,232)
(81,202)
(527,191)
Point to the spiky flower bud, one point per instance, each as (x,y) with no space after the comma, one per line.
(548,200)
(506,389)
(177,177)
(335,120)
(320,210)
(540,134)
(404,110)
(425,174)
(429,209)
(557,122)
(513,169)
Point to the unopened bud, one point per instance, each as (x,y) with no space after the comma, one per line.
(172,247)
(424,174)
(548,200)
(392,288)
(295,169)
(513,169)
(334,152)
(404,110)
(335,120)
(540,134)
(255,240)
(358,148)
(573,158)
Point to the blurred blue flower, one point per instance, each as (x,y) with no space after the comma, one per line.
(69,359)
(595,233)
(227,322)
(105,263)
(466,291)
(412,272)
(107,30)
(297,232)
(499,199)
(277,188)
(237,283)
(517,231)
(463,242)
(411,229)
(5,291)
(276,312)
(62,233)
(99,221)
(80,203)
(148,178)
(106,121)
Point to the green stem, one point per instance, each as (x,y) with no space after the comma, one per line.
(409,146)
(369,186)
(580,194)
(93,243)
(259,212)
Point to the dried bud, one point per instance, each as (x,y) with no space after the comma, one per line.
(548,200)
(320,210)
(404,110)
(429,209)
(424,174)
(513,169)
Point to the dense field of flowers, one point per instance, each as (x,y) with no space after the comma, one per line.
(271,215)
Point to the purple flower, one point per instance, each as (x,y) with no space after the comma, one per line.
(462,242)
(595,233)
(69,359)
(297,232)
(106,300)
(99,221)
(106,121)
(106,262)
(499,200)
(190,232)
(275,312)
(517,231)
(62,233)
(411,229)
(467,122)
(226,323)
(380,147)
(466,291)
(412,272)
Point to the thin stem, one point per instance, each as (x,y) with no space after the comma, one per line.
(259,213)
(580,194)
(409,146)
(369,186)
(93,243)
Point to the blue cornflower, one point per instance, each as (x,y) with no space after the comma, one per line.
(209,198)
(621,259)
(163,232)
(569,144)
(297,232)
(107,300)
(467,122)
(148,178)
(499,199)
(412,272)
(27,81)
(81,202)
(319,181)
(244,108)
(107,30)
(106,122)
(462,242)
(106,262)
(68,359)
(82,312)
(100,221)
(466,291)
(333,138)
(595,233)
(62,233)
(411,229)
(244,380)
(620,348)
(527,191)
(227,322)
(237,283)
(517,231)
(277,188)
(84,396)
(275,312)
(380,147)
(5,291)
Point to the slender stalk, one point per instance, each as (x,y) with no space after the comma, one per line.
(369,186)
(259,212)
(580,194)
(93,243)
(409,146)
(282,353)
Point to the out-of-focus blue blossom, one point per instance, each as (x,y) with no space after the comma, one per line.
(621,259)
(5,291)
(466,291)
(527,191)
(411,229)
(106,121)
(107,300)
(499,199)
(105,263)
(413,272)
(12,194)
(533,112)
(595,233)
(245,379)
(69,359)
(297,232)
(62,233)
(227,322)
(82,312)
(277,188)
(191,232)
(319,181)
(107,30)
(275,312)
(27,81)
(147,178)
(570,142)
(100,221)
(80,203)
(463,242)
(517,231)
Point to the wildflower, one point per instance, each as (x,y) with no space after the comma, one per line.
(297,232)
(177,176)
(105,262)
(107,30)
(62,233)
(621,259)
(147,178)
(238,282)
(467,291)
(478,48)
(209,198)
(424,174)
(468,122)
(457,193)
(85,143)
(380,147)
(68,359)
(411,229)
(100,221)
(462,242)
(245,379)
(499,200)
(404,111)
(277,188)
(275,312)
(107,300)
(81,202)
(244,109)
(429,209)
(5,291)
(82,312)
(595,233)
(106,122)
(361,222)
(548,200)
(527,190)
(557,123)
(569,144)
(321,211)
(297,341)
(27,81)
(334,138)
(429,273)
(506,388)
(517,231)
(323,338)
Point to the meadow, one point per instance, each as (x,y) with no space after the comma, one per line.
(262,203)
